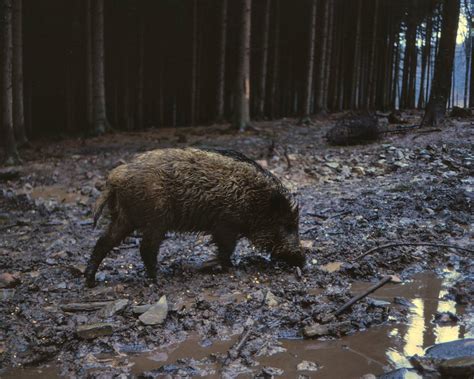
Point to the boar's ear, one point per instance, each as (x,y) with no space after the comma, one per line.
(279,203)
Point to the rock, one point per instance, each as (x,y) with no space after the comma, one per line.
(139,309)
(334,165)
(368,376)
(307,366)
(402,301)
(113,308)
(269,372)
(318,330)
(401,373)
(445,318)
(91,331)
(6,294)
(271,300)
(156,314)
(453,349)
(395,279)
(359,170)
(331,267)
(8,280)
(462,367)
(378,303)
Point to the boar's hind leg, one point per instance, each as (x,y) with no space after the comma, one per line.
(149,250)
(115,233)
(225,240)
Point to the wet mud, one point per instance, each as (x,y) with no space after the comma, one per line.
(406,188)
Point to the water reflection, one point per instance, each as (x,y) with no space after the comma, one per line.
(421,332)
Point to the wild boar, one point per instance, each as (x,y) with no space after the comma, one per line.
(219,192)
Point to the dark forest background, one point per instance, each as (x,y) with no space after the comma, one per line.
(88,66)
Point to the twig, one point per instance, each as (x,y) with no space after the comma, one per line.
(425,131)
(234,351)
(355,299)
(396,244)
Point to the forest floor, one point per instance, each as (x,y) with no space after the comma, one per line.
(410,187)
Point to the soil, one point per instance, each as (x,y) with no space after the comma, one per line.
(412,187)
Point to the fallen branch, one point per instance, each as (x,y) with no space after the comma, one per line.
(234,351)
(355,299)
(80,307)
(396,244)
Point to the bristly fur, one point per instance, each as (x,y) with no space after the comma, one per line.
(220,192)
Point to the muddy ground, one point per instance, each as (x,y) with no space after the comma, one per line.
(412,187)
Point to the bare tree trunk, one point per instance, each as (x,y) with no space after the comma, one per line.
(100,112)
(320,77)
(276,60)
(194,64)
(396,74)
(11,153)
(309,65)
(467,51)
(329,55)
(141,73)
(356,63)
(371,87)
(89,83)
(263,69)
(242,98)
(441,86)
(221,64)
(18,105)
(424,61)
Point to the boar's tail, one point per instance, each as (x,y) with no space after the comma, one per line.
(100,204)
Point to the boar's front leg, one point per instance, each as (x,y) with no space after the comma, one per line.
(149,247)
(115,234)
(225,238)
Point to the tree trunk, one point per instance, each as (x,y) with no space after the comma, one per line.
(276,61)
(370,96)
(263,68)
(329,54)
(356,62)
(441,86)
(424,61)
(194,64)
(11,153)
(100,112)
(18,105)
(467,51)
(242,96)
(320,77)
(221,64)
(309,65)
(141,74)
(89,83)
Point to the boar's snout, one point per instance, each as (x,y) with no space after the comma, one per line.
(291,252)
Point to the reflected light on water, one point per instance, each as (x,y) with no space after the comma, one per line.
(420,325)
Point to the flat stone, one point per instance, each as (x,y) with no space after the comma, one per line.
(139,309)
(401,373)
(271,300)
(307,366)
(156,314)
(113,308)
(454,349)
(319,330)
(458,367)
(91,331)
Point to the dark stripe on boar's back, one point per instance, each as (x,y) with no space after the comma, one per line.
(238,156)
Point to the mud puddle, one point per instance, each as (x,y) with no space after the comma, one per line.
(375,351)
